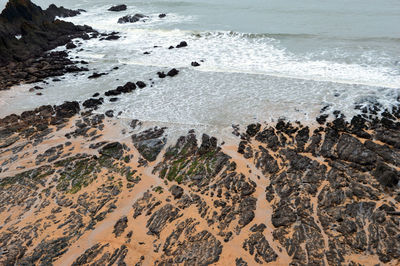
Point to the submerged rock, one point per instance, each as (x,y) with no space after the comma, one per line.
(131,19)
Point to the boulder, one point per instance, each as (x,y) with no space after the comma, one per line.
(173,72)
(118,8)
(182,44)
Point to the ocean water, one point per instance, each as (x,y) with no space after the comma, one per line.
(261,60)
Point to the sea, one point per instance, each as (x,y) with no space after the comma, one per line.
(260,60)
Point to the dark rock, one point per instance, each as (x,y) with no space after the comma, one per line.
(96,75)
(173,72)
(131,19)
(117,8)
(161,75)
(283,216)
(182,44)
(351,149)
(55,11)
(141,84)
(322,119)
(110,113)
(150,148)
(93,103)
(253,129)
(386,175)
(67,109)
(70,45)
(112,38)
(160,218)
(114,150)
(176,191)
(120,226)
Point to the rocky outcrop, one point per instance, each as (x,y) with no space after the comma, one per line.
(62,12)
(39,32)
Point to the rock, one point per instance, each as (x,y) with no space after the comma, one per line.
(110,113)
(195,64)
(70,45)
(182,44)
(283,216)
(386,175)
(253,129)
(120,226)
(208,144)
(351,149)
(150,148)
(176,191)
(161,75)
(173,72)
(322,119)
(134,123)
(131,19)
(162,15)
(112,38)
(67,109)
(141,84)
(96,75)
(40,33)
(128,87)
(114,150)
(93,103)
(118,8)
(257,245)
(62,12)
(160,218)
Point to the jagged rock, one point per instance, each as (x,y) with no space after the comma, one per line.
(258,246)
(62,12)
(150,148)
(120,226)
(351,149)
(114,150)
(160,218)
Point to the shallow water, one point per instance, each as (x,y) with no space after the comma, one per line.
(263,60)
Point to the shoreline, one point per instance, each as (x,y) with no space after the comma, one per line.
(264,173)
